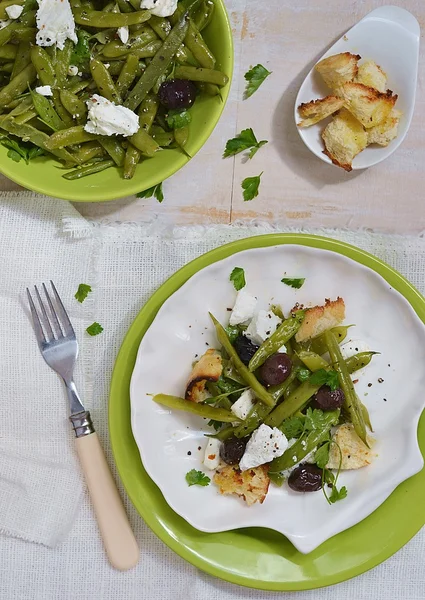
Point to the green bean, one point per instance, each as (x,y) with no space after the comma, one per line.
(46,112)
(77,86)
(104,81)
(203,410)
(8,52)
(181,136)
(6,67)
(17,85)
(149,50)
(21,33)
(163,139)
(6,34)
(23,105)
(63,60)
(352,403)
(124,6)
(294,402)
(230,372)
(116,48)
(318,344)
(359,360)
(76,107)
(33,135)
(89,170)
(5,4)
(201,74)
(29,19)
(60,109)
(305,444)
(114,149)
(88,151)
(26,116)
(22,60)
(127,75)
(249,378)
(104,20)
(147,112)
(131,160)
(43,65)
(312,361)
(204,15)
(160,25)
(223,434)
(195,42)
(159,64)
(68,137)
(278,339)
(144,142)
(366,416)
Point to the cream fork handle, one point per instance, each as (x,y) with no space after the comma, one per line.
(118,538)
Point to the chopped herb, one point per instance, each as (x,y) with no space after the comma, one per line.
(195,477)
(295,283)
(277,310)
(303,374)
(338,494)
(94,329)
(292,427)
(176,119)
(243,141)
(324,377)
(155,191)
(215,424)
(277,478)
(238,278)
(81,52)
(250,187)
(329,478)
(19,150)
(321,458)
(255,77)
(232,333)
(82,292)
(314,419)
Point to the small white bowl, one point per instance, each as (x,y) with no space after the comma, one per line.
(390,36)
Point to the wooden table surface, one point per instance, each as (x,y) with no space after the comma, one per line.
(297,189)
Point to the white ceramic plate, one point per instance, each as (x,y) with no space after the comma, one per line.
(390,36)
(182,330)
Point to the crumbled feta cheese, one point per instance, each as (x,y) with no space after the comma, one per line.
(14,11)
(244,307)
(243,405)
(55,23)
(106,118)
(262,326)
(212,454)
(44,90)
(160,8)
(123,34)
(353,347)
(72,70)
(283,350)
(4,23)
(264,445)
(106,65)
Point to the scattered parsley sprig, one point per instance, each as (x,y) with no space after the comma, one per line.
(324,377)
(255,77)
(250,187)
(94,329)
(82,292)
(293,282)
(195,477)
(237,276)
(245,140)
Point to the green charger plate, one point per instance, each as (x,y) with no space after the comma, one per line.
(44,175)
(257,557)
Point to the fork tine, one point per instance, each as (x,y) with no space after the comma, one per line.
(36,320)
(45,320)
(66,323)
(53,314)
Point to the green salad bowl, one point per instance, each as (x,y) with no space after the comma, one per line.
(44,175)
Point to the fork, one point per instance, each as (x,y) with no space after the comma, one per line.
(59,348)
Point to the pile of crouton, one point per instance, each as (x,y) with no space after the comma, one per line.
(363,108)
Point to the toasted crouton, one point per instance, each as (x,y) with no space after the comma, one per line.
(369,106)
(316,110)
(344,138)
(355,453)
(320,318)
(338,69)
(208,368)
(383,134)
(252,485)
(372,75)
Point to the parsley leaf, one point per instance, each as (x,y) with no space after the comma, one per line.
(81,52)
(14,155)
(323,377)
(176,119)
(82,292)
(238,278)
(195,477)
(232,333)
(244,140)
(295,283)
(331,480)
(303,374)
(155,191)
(250,187)
(315,419)
(94,329)
(321,458)
(338,494)
(18,149)
(255,77)
(292,427)
(216,424)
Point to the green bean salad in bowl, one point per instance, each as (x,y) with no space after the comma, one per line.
(101,99)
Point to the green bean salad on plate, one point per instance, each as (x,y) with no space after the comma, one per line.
(98,84)
(279,395)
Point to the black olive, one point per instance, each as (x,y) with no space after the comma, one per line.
(276,369)
(245,348)
(177,94)
(305,478)
(327,399)
(232,450)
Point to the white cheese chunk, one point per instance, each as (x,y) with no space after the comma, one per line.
(283,350)
(106,118)
(242,406)
(14,11)
(44,90)
(263,446)
(72,70)
(4,23)
(353,347)
(160,8)
(244,308)
(212,454)
(55,23)
(262,326)
(123,34)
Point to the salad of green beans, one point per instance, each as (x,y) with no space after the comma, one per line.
(157,73)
